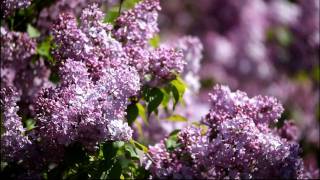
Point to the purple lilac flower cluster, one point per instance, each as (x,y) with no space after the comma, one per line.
(18,70)
(86,111)
(238,143)
(136,28)
(9,6)
(13,140)
(50,14)
(100,45)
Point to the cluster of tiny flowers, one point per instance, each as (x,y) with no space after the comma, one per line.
(83,110)
(16,48)
(101,45)
(9,6)
(134,29)
(138,25)
(13,141)
(17,69)
(238,143)
(50,14)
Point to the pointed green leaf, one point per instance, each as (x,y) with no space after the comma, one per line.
(132,113)
(178,88)
(155,99)
(177,118)
(32,31)
(139,146)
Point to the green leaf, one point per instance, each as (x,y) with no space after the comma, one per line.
(177,118)
(131,152)
(132,113)
(115,171)
(112,15)
(155,41)
(166,96)
(118,144)
(172,142)
(44,48)
(110,149)
(32,31)
(139,146)
(284,36)
(174,132)
(142,113)
(30,124)
(316,73)
(129,4)
(178,88)
(155,99)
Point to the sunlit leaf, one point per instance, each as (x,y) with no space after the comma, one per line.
(32,31)
(177,118)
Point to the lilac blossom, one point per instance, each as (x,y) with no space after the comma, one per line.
(81,110)
(138,25)
(18,70)
(165,62)
(289,131)
(50,14)
(90,42)
(9,6)
(16,48)
(13,139)
(237,144)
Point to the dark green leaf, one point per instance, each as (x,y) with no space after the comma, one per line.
(109,151)
(174,132)
(115,171)
(155,99)
(132,113)
(178,88)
